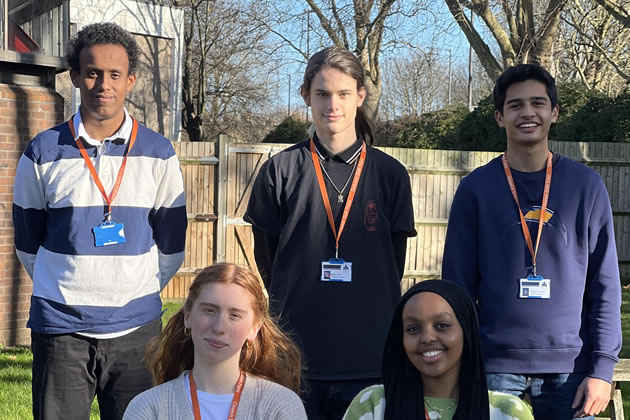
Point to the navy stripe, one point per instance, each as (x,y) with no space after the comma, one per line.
(49,317)
(57,143)
(169,229)
(69,231)
(30,228)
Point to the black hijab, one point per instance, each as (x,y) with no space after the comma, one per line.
(402,381)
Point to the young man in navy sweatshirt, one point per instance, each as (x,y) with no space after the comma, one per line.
(531,237)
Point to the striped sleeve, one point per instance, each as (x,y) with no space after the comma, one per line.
(169,220)
(29,210)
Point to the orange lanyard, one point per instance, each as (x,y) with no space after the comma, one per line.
(109,199)
(351,193)
(426,413)
(543,209)
(235,400)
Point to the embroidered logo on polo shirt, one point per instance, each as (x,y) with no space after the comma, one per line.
(371,216)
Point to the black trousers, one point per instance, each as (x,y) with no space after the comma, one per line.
(69,369)
(329,399)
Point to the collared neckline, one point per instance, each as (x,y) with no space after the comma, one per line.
(120,137)
(347,156)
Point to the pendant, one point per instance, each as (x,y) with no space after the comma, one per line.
(340,198)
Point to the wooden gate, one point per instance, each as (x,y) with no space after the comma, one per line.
(199,163)
(244,163)
(219,178)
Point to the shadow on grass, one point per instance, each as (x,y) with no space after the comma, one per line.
(16,358)
(18,378)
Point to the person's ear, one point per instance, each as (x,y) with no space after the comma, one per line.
(255,330)
(131,81)
(554,113)
(74,76)
(361,94)
(498,116)
(306,97)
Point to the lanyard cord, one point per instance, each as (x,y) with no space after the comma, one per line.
(235,399)
(108,198)
(351,194)
(543,208)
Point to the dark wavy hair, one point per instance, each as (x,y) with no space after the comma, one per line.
(402,381)
(522,73)
(343,60)
(100,34)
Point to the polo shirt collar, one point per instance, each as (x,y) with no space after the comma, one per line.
(121,136)
(347,156)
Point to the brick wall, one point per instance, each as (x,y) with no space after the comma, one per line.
(24,111)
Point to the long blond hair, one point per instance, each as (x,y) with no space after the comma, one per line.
(271,355)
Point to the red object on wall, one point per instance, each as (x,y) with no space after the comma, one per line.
(19,40)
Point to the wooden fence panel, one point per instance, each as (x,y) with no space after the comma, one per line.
(434,175)
(198,169)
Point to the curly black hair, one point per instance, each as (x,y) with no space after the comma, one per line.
(99,34)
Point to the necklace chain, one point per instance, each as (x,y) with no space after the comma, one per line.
(440,411)
(339,192)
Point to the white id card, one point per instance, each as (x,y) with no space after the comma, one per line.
(534,287)
(337,270)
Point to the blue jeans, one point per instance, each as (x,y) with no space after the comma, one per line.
(551,395)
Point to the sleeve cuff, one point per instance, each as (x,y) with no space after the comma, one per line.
(603,368)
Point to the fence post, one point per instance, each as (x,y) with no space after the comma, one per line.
(221,151)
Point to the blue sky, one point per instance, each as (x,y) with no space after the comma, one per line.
(433,27)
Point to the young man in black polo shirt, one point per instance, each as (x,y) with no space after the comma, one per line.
(331,217)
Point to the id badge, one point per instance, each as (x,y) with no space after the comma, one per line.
(109,233)
(337,270)
(534,287)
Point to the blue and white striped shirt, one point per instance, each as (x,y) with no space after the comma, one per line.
(78,287)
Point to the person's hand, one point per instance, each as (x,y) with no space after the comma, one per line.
(595,393)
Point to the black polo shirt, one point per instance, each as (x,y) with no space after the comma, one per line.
(340,327)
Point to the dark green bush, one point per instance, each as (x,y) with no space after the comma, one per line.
(290,130)
(433,130)
(585,116)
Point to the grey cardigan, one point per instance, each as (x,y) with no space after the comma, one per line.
(261,399)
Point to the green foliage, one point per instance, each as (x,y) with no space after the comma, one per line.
(591,116)
(585,116)
(291,130)
(479,130)
(433,130)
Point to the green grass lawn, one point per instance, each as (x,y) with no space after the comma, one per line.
(15,370)
(15,378)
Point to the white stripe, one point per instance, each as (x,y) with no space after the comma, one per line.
(95,280)
(27,260)
(28,191)
(68,183)
(170,191)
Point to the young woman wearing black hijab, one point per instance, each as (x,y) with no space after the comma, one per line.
(432,363)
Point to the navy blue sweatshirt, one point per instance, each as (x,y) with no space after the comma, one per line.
(579,328)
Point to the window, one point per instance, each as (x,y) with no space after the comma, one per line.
(34,26)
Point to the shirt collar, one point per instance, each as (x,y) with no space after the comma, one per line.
(347,156)
(119,137)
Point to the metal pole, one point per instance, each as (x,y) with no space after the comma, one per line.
(308,48)
(470,69)
(289,107)
(450,77)
(221,149)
